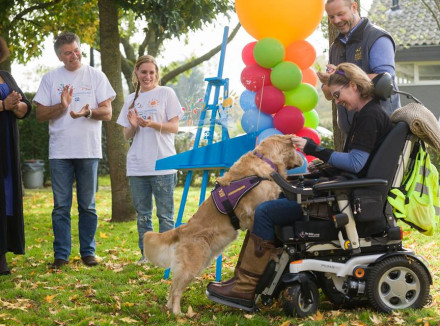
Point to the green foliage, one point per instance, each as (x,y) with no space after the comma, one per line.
(173,18)
(118,292)
(26,24)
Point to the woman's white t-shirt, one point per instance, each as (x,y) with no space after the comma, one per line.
(74,138)
(150,145)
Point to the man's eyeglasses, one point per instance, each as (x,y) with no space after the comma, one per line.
(337,93)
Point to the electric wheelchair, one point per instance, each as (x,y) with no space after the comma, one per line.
(354,251)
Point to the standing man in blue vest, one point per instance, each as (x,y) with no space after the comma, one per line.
(362,43)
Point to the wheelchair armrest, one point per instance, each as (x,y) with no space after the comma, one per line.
(289,190)
(348,184)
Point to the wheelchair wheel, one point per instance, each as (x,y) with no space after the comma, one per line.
(398,282)
(294,303)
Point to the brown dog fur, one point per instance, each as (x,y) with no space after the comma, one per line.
(191,247)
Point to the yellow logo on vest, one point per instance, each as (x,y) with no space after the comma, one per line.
(358,54)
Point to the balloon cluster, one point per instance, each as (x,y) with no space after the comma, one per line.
(280,94)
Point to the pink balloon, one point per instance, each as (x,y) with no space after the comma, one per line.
(289,120)
(310,133)
(269,100)
(247,54)
(254,77)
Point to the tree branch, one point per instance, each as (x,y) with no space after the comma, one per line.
(432,12)
(173,73)
(33,8)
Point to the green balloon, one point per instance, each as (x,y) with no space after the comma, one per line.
(286,76)
(311,119)
(268,52)
(304,97)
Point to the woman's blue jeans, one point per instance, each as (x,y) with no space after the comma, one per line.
(143,188)
(63,172)
(275,212)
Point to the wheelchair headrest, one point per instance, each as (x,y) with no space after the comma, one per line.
(383,85)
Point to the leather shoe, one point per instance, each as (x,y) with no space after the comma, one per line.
(58,263)
(89,260)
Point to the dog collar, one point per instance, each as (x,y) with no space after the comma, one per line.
(266,160)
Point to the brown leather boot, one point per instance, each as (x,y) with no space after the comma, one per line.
(240,257)
(240,292)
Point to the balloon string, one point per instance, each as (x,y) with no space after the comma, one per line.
(261,100)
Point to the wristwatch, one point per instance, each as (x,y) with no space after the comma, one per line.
(89,116)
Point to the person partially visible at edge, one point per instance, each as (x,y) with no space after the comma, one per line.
(150,116)
(362,43)
(75,99)
(13,105)
(350,86)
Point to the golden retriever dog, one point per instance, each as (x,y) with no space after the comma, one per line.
(191,247)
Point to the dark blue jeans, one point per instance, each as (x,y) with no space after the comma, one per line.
(63,172)
(275,212)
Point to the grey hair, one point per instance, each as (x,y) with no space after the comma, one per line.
(65,38)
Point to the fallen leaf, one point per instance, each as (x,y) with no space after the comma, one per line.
(128,320)
(190,313)
(49,298)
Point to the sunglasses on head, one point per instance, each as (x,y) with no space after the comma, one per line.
(337,93)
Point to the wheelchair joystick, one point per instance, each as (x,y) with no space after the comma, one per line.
(300,183)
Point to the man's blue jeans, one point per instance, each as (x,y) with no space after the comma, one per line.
(143,188)
(63,172)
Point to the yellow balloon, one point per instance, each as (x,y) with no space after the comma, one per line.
(285,20)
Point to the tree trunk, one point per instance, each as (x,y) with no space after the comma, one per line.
(117,147)
(338,134)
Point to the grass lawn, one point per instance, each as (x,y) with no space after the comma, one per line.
(119,292)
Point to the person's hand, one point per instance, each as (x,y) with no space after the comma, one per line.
(84,112)
(145,122)
(66,96)
(133,118)
(12,101)
(299,142)
(323,76)
(313,165)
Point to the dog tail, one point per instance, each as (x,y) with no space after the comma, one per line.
(159,247)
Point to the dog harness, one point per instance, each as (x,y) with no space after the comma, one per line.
(226,198)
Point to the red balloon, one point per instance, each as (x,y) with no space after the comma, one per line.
(310,158)
(309,76)
(269,100)
(301,52)
(247,54)
(254,77)
(310,133)
(289,120)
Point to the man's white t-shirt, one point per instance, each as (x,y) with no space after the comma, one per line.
(74,138)
(150,145)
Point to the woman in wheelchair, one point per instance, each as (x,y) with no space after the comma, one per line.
(351,87)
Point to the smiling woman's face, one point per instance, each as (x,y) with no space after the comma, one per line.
(346,95)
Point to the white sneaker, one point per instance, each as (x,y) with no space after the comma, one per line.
(142,261)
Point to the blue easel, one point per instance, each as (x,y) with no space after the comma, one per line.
(216,82)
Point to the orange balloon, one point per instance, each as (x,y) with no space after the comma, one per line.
(302,53)
(309,76)
(284,20)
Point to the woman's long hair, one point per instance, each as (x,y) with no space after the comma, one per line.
(349,72)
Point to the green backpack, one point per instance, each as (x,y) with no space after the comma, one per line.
(416,201)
